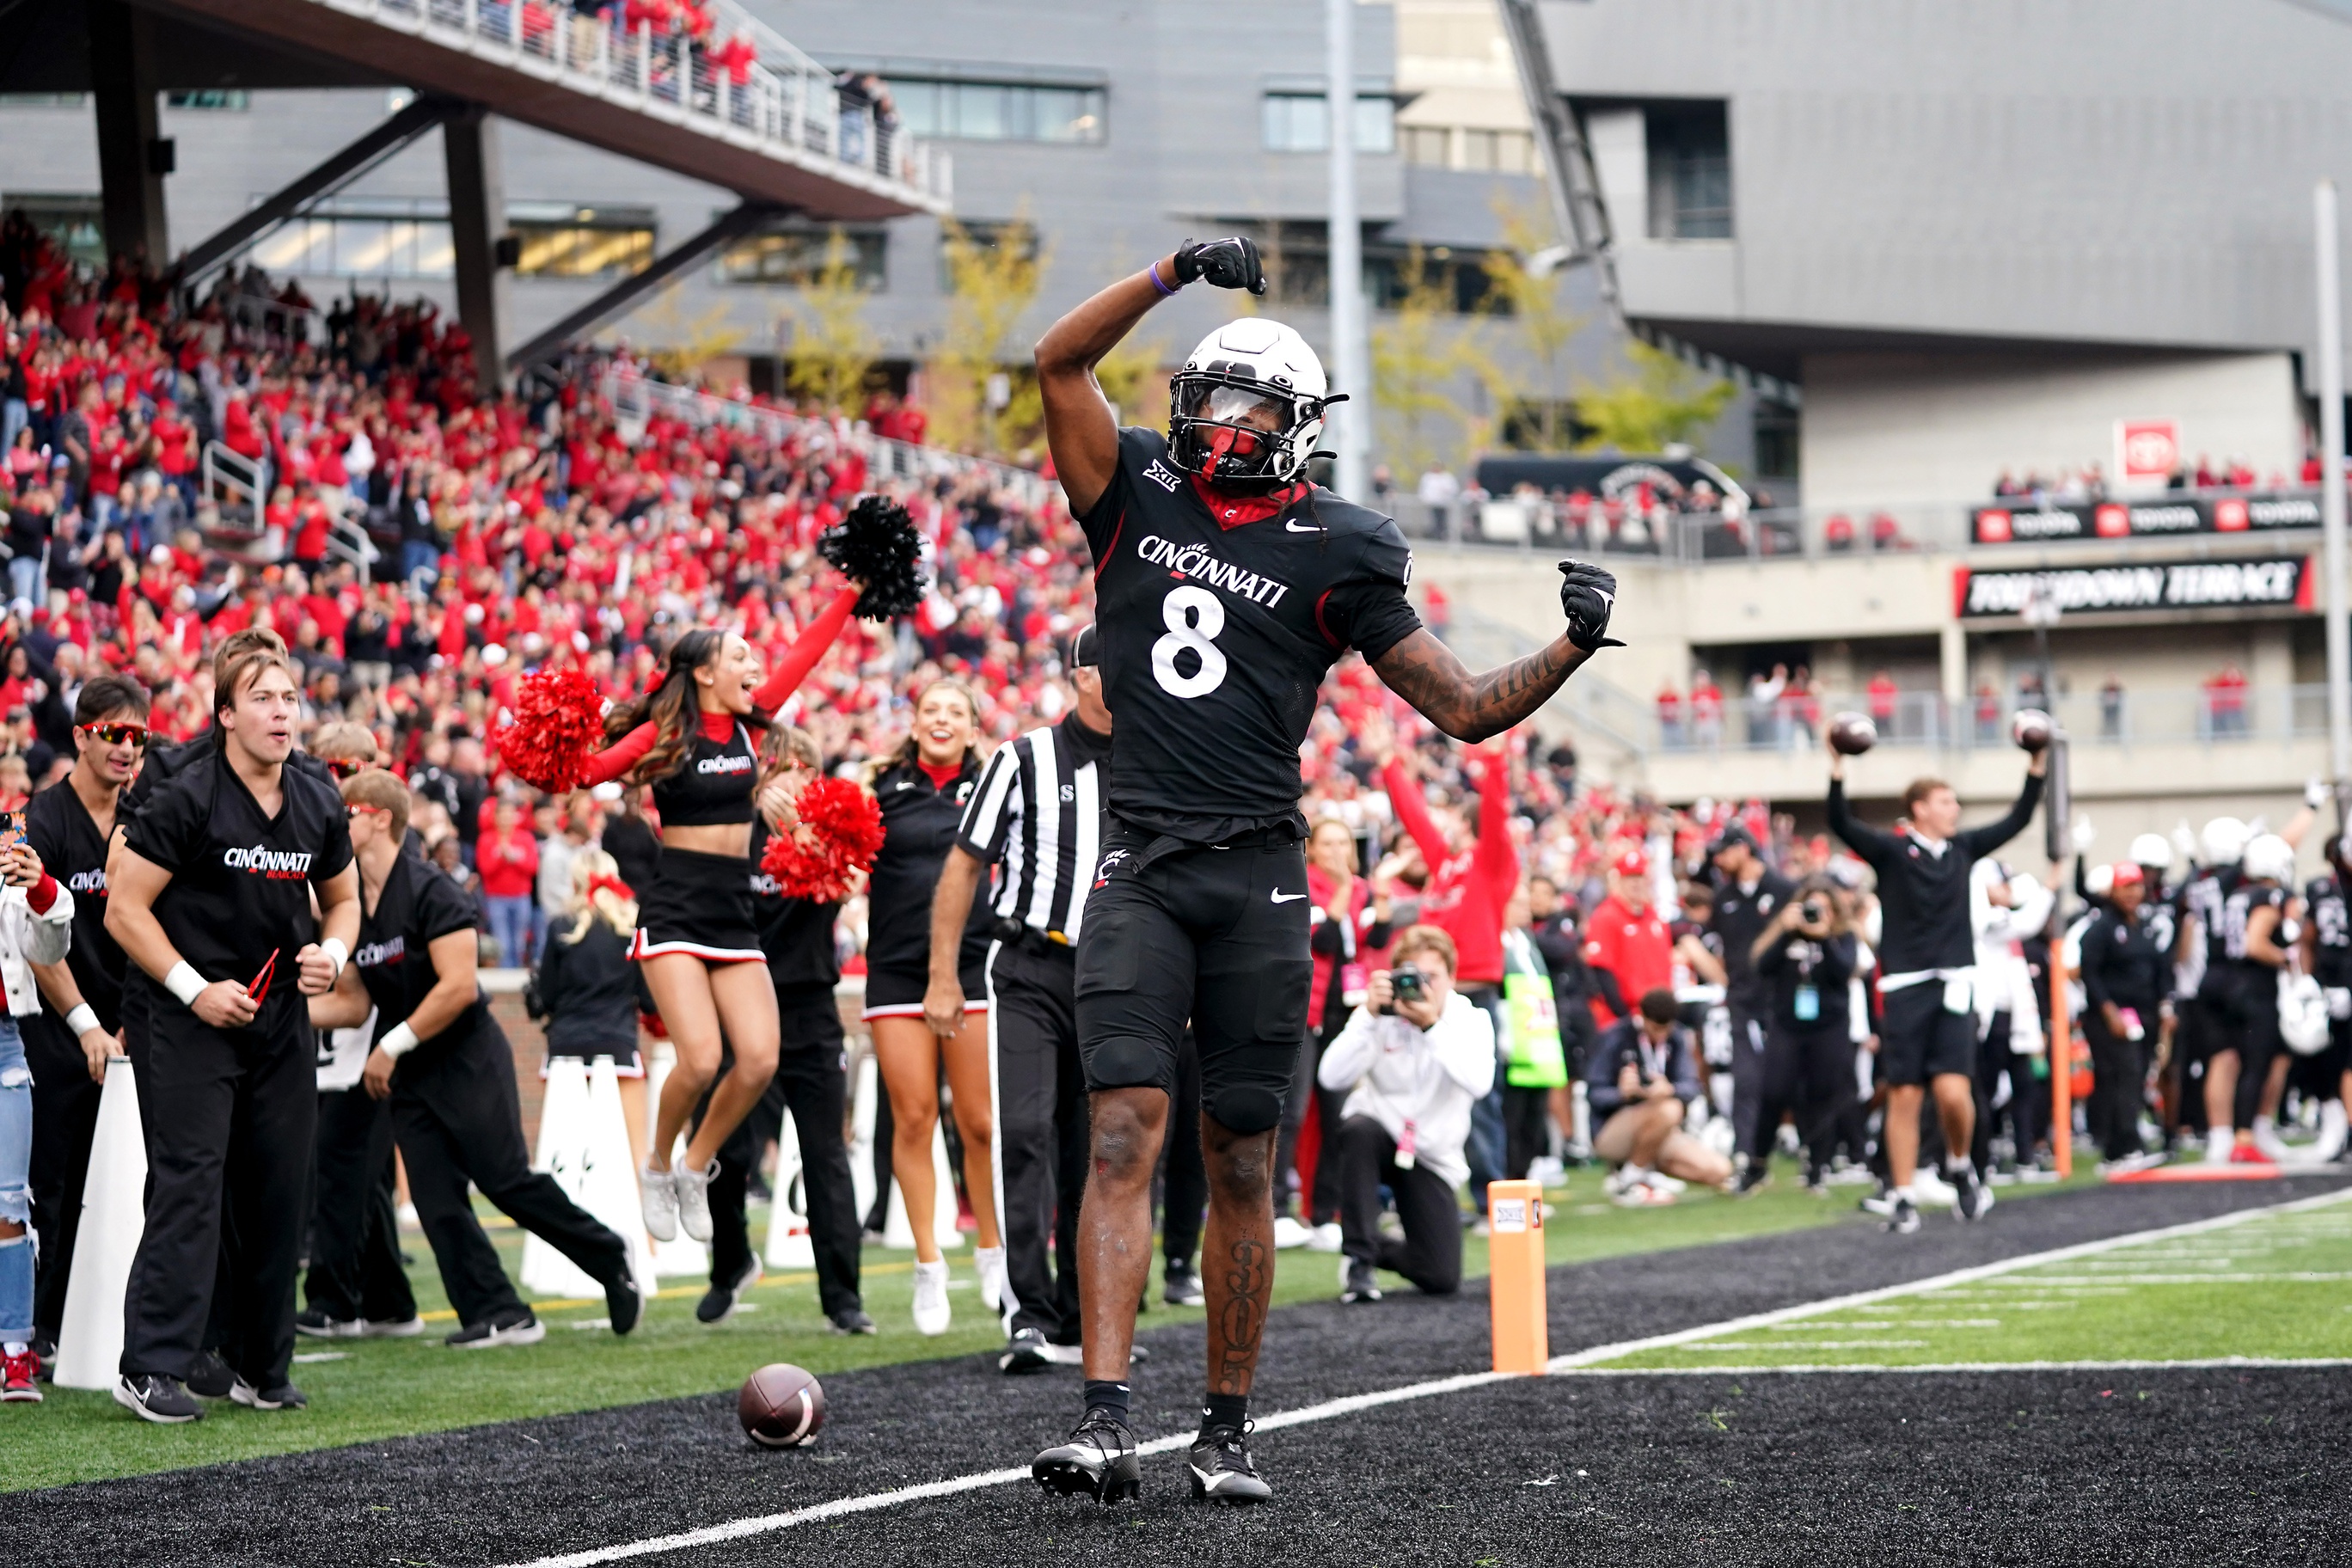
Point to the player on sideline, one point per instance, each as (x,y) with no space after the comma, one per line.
(210,897)
(1225,588)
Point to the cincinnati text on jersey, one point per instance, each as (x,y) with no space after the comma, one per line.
(734,763)
(1192,561)
(86,882)
(372,953)
(278,865)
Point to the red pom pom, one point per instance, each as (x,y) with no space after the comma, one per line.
(557,724)
(845,833)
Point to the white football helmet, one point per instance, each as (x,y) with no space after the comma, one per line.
(2270,859)
(2153,850)
(1248,366)
(2224,840)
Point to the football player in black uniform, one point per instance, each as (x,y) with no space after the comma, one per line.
(2327,957)
(1225,587)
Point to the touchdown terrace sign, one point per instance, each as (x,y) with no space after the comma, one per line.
(2287,582)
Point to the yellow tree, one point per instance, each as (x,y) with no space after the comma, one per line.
(991,281)
(1534,323)
(833,349)
(679,346)
(1415,360)
(1657,402)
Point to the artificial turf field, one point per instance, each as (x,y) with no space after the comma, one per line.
(1697,1451)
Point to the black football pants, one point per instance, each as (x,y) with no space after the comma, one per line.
(458,1120)
(355,1269)
(231,1123)
(1042,1125)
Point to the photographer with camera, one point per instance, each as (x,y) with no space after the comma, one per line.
(1803,958)
(1412,1061)
(1640,1078)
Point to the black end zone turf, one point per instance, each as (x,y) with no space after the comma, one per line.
(1819,1455)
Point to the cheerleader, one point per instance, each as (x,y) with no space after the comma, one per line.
(691,739)
(923,790)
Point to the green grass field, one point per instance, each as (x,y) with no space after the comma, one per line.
(375,1389)
(2273,1286)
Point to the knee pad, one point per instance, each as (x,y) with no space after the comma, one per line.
(1246,1109)
(1126,1063)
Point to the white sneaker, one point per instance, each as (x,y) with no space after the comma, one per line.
(658,1198)
(931,1313)
(1929,1190)
(1672,1186)
(693,1190)
(989,1262)
(1288,1233)
(1546,1171)
(2267,1140)
(1325,1238)
(2219,1141)
(2332,1133)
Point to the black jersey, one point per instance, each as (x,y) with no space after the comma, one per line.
(713,781)
(2160,913)
(2237,913)
(415,906)
(796,933)
(61,832)
(1216,635)
(2205,899)
(2331,930)
(164,764)
(919,826)
(1739,916)
(241,879)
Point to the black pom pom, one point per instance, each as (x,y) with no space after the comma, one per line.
(876,544)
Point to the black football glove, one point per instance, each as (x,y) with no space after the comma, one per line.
(1228,263)
(1587,594)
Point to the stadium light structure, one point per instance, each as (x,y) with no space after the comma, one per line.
(1351,349)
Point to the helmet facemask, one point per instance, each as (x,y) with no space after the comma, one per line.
(1238,431)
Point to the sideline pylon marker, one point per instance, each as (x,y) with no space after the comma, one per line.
(1515,1264)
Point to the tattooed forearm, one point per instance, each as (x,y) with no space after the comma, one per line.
(1425,672)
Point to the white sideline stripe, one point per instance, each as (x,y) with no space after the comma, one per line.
(2222,1362)
(1936,1282)
(1581,1361)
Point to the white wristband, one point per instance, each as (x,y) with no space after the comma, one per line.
(185,982)
(333,948)
(81,1020)
(398,1041)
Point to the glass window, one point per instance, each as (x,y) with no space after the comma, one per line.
(74,221)
(998,111)
(1295,122)
(1690,172)
(1426,145)
(227,98)
(41,100)
(796,254)
(563,239)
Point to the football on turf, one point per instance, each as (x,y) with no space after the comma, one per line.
(2030,728)
(1853,733)
(781,1406)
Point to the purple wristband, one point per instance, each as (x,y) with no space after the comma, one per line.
(1152,272)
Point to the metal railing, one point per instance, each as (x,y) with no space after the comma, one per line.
(2123,719)
(779,100)
(227,478)
(635,398)
(1622,526)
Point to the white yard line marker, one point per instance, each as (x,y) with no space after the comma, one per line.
(1581,1361)
(2209,1363)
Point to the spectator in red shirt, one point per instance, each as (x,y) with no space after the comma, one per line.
(1706,711)
(1882,692)
(508,860)
(1670,716)
(1626,945)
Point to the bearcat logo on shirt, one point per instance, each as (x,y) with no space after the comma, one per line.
(1192,561)
(734,763)
(277,865)
(375,953)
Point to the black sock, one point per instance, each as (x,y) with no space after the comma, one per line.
(1110,1396)
(1226,1410)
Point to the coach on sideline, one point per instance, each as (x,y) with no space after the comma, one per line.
(1038,812)
(1927,966)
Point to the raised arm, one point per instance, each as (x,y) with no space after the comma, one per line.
(1993,835)
(1425,672)
(1413,812)
(1496,855)
(807,651)
(1081,431)
(1874,845)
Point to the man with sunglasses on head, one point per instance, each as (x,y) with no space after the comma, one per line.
(80,1026)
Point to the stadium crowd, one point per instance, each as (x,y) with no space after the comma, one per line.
(1650,987)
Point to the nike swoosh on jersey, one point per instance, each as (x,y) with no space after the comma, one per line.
(1282,898)
(1295,528)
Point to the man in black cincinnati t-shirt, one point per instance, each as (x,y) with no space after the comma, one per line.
(210,897)
(1225,588)
(1748,894)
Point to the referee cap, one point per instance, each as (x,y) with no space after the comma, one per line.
(1084,648)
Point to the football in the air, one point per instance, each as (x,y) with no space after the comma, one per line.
(1853,733)
(782,1405)
(2030,728)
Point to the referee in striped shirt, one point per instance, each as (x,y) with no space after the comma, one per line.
(1038,813)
